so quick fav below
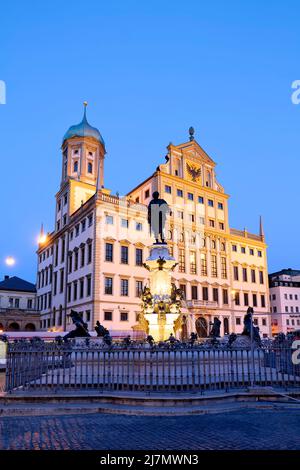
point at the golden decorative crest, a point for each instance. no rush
(194, 172)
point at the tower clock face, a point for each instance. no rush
(193, 172)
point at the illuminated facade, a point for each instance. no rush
(93, 261)
(285, 300)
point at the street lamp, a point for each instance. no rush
(10, 261)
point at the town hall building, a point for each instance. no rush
(92, 261)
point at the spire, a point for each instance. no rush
(261, 228)
(84, 119)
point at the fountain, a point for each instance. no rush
(161, 301)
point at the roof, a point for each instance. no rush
(17, 284)
(288, 272)
(84, 129)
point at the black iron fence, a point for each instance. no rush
(83, 366)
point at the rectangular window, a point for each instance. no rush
(180, 214)
(214, 269)
(61, 286)
(168, 189)
(90, 250)
(237, 298)
(234, 248)
(75, 290)
(63, 248)
(82, 256)
(223, 267)
(211, 223)
(17, 303)
(261, 277)
(194, 292)
(124, 254)
(147, 193)
(109, 220)
(124, 316)
(236, 273)
(182, 287)
(109, 248)
(225, 296)
(124, 223)
(139, 226)
(90, 220)
(259, 253)
(246, 299)
(181, 264)
(253, 276)
(220, 206)
(124, 287)
(77, 230)
(193, 265)
(81, 288)
(29, 303)
(138, 288)
(205, 293)
(243, 249)
(179, 193)
(70, 259)
(200, 200)
(83, 225)
(254, 300)
(245, 275)
(190, 196)
(210, 203)
(69, 292)
(139, 257)
(221, 225)
(88, 286)
(263, 301)
(108, 286)
(76, 260)
(203, 264)
(251, 251)
(108, 316)
(55, 284)
(216, 294)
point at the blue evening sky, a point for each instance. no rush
(149, 70)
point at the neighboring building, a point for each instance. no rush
(18, 305)
(285, 300)
(93, 260)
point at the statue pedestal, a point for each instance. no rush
(161, 304)
(161, 325)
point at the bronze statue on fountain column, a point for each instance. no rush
(157, 215)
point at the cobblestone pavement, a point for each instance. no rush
(243, 429)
